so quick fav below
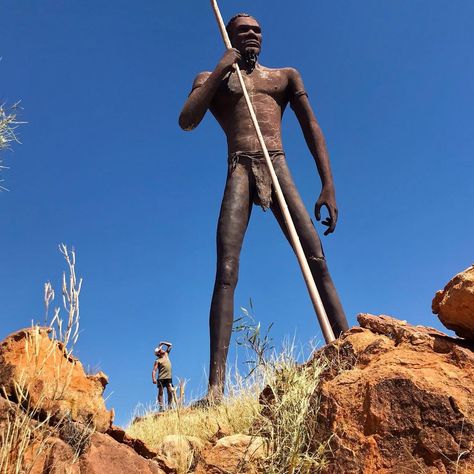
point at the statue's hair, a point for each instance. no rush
(232, 20)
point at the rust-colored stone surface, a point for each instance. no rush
(57, 384)
(53, 382)
(396, 398)
(139, 446)
(232, 454)
(57, 457)
(454, 305)
(106, 455)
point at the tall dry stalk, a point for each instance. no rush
(71, 289)
(8, 136)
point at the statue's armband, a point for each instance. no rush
(299, 94)
(296, 95)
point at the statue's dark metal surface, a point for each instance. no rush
(248, 180)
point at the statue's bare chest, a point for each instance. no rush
(271, 83)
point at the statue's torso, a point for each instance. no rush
(268, 91)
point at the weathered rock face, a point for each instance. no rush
(396, 398)
(393, 399)
(455, 304)
(180, 453)
(107, 455)
(51, 381)
(141, 448)
(233, 454)
(51, 403)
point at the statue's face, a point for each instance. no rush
(246, 35)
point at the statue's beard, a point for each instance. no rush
(250, 60)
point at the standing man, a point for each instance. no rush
(165, 378)
(248, 179)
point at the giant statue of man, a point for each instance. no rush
(248, 179)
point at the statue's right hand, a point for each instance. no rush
(231, 56)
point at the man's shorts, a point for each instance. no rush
(163, 383)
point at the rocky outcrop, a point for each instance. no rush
(392, 399)
(50, 380)
(180, 453)
(107, 455)
(233, 454)
(140, 447)
(53, 414)
(454, 305)
(396, 398)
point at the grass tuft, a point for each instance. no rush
(8, 125)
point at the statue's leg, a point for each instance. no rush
(311, 245)
(233, 219)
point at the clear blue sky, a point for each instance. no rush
(104, 167)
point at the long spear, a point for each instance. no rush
(295, 240)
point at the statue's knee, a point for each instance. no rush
(319, 262)
(228, 271)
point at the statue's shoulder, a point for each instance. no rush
(204, 74)
(202, 77)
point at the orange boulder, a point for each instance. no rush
(396, 398)
(454, 305)
(35, 368)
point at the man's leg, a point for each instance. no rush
(160, 396)
(311, 246)
(169, 389)
(233, 219)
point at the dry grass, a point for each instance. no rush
(27, 429)
(8, 126)
(234, 415)
(282, 424)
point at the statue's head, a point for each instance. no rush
(245, 35)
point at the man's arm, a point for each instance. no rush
(204, 88)
(168, 344)
(153, 374)
(317, 146)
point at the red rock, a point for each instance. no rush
(52, 381)
(396, 398)
(139, 446)
(106, 455)
(231, 454)
(60, 458)
(454, 305)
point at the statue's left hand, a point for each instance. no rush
(327, 198)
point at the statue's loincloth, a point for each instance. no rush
(254, 162)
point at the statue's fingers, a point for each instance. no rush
(335, 216)
(332, 226)
(317, 211)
